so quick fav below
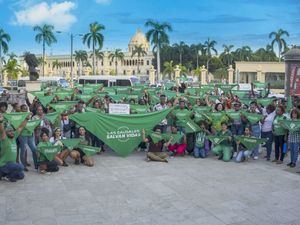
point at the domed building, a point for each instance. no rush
(106, 66)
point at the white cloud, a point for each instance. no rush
(103, 2)
(56, 14)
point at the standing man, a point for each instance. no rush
(159, 107)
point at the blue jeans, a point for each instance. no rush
(200, 152)
(269, 142)
(256, 133)
(12, 171)
(29, 140)
(294, 147)
(242, 154)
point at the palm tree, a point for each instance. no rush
(12, 69)
(46, 36)
(98, 55)
(81, 56)
(4, 40)
(94, 38)
(57, 65)
(41, 61)
(140, 52)
(227, 54)
(169, 69)
(115, 56)
(11, 56)
(180, 47)
(209, 47)
(243, 54)
(158, 37)
(279, 40)
(199, 50)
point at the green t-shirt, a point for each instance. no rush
(227, 133)
(8, 152)
(277, 127)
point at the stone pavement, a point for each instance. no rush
(130, 191)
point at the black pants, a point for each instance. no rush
(279, 141)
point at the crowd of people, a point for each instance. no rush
(210, 120)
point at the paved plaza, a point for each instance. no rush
(130, 191)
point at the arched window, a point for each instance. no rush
(136, 62)
(147, 62)
(142, 62)
(124, 72)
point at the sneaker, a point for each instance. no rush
(234, 154)
(289, 164)
(147, 159)
(274, 160)
(65, 164)
(255, 157)
(45, 172)
(25, 169)
(293, 165)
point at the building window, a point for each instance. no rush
(133, 72)
(124, 72)
(102, 63)
(110, 63)
(147, 72)
(142, 62)
(147, 62)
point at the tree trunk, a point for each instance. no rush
(43, 58)
(180, 58)
(279, 51)
(116, 64)
(1, 74)
(94, 57)
(158, 63)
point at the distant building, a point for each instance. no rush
(105, 66)
(266, 72)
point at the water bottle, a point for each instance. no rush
(284, 148)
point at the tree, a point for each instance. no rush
(12, 69)
(94, 38)
(158, 36)
(209, 47)
(57, 65)
(180, 47)
(278, 39)
(169, 69)
(226, 55)
(243, 54)
(140, 52)
(11, 56)
(46, 36)
(81, 56)
(199, 50)
(115, 56)
(4, 40)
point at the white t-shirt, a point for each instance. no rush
(268, 122)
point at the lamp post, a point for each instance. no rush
(72, 40)
(198, 54)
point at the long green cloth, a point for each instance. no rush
(174, 138)
(291, 125)
(15, 119)
(71, 142)
(122, 133)
(89, 150)
(250, 142)
(52, 117)
(253, 117)
(45, 100)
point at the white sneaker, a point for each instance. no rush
(255, 157)
(234, 154)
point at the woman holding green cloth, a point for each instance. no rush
(224, 149)
(243, 153)
(64, 153)
(78, 154)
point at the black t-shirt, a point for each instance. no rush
(158, 147)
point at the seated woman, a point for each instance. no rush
(243, 154)
(156, 144)
(77, 153)
(177, 142)
(46, 164)
(224, 149)
(201, 142)
(64, 153)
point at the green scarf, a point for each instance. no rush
(250, 142)
(191, 127)
(217, 139)
(259, 85)
(15, 119)
(156, 137)
(139, 108)
(63, 106)
(226, 87)
(45, 100)
(71, 143)
(253, 118)
(89, 150)
(63, 95)
(233, 114)
(265, 101)
(37, 93)
(291, 125)
(240, 94)
(176, 138)
(122, 133)
(31, 125)
(52, 117)
(49, 151)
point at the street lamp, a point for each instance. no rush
(199, 53)
(72, 40)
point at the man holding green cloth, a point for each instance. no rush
(9, 169)
(224, 149)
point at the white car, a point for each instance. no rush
(3, 90)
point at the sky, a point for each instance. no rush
(237, 22)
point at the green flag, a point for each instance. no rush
(88, 90)
(63, 95)
(259, 85)
(37, 93)
(174, 138)
(31, 125)
(240, 94)
(139, 108)
(226, 87)
(45, 100)
(90, 109)
(199, 117)
(52, 117)
(192, 99)
(246, 101)
(201, 109)
(169, 94)
(265, 101)
(85, 97)
(291, 125)
(118, 98)
(63, 106)
(191, 127)
(217, 139)
(156, 137)
(233, 114)
(15, 119)
(122, 133)
(49, 151)
(71, 143)
(89, 150)
(250, 142)
(253, 118)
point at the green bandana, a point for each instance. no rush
(38, 93)
(88, 90)
(253, 117)
(63, 106)
(52, 117)
(49, 151)
(45, 100)
(240, 94)
(191, 127)
(265, 101)
(71, 143)
(31, 125)
(15, 119)
(85, 97)
(139, 108)
(176, 138)
(250, 142)
(192, 99)
(201, 109)
(63, 95)
(246, 101)
(156, 137)
(89, 150)
(291, 125)
(259, 85)
(89, 109)
(226, 87)
(233, 114)
(122, 133)
(217, 139)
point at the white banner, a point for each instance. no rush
(119, 109)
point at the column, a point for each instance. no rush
(203, 75)
(152, 75)
(230, 74)
(129, 72)
(177, 71)
(5, 79)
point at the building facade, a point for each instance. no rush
(105, 66)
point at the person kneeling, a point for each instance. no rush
(156, 144)
(243, 154)
(201, 142)
(47, 155)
